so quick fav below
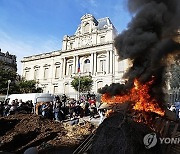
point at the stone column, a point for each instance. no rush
(74, 64)
(92, 63)
(62, 64)
(111, 62)
(64, 67)
(108, 62)
(95, 63)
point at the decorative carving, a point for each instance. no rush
(70, 61)
(57, 63)
(36, 66)
(86, 16)
(101, 56)
(27, 68)
(87, 40)
(46, 65)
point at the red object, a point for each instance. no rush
(92, 101)
(79, 66)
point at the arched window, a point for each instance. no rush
(87, 61)
(86, 66)
(86, 28)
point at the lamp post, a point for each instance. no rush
(79, 87)
(9, 81)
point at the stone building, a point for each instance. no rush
(91, 46)
(8, 61)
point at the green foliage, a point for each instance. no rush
(28, 86)
(5, 75)
(17, 85)
(86, 83)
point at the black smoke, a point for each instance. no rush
(147, 42)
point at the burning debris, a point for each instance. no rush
(139, 95)
(147, 42)
(140, 100)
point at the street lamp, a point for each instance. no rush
(79, 86)
(9, 81)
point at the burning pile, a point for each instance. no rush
(140, 95)
(140, 100)
(147, 42)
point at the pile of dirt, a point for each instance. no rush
(20, 131)
(119, 134)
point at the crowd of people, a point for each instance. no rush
(16, 106)
(175, 108)
(62, 108)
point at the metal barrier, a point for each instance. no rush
(86, 145)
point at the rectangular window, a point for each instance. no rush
(57, 72)
(70, 70)
(71, 45)
(102, 65)
(36, 74)
(55, 89)
(45, 73)
(26, 75)
(102, 39)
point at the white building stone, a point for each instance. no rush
(92, 45)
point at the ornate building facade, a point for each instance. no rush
(91, 46)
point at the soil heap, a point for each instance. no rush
(21, 131)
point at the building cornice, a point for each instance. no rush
(42, 56)
(59, 52)
(97, 32)
(89, 46)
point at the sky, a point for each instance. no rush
(29, 27)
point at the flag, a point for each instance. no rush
(79, 66)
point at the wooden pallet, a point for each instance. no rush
(168, 127)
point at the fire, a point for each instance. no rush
(140, 96)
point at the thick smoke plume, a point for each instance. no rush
(147, 42)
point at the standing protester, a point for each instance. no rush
(49, 110)
(86, 110)
(71, 109)
(6, 108)
(57, 115)
(64, 99)
(31, 107)
(177, 105)
(92, 109)
(88, 95)
(14, 106)
(44, 108)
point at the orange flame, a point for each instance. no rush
(139, 94)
